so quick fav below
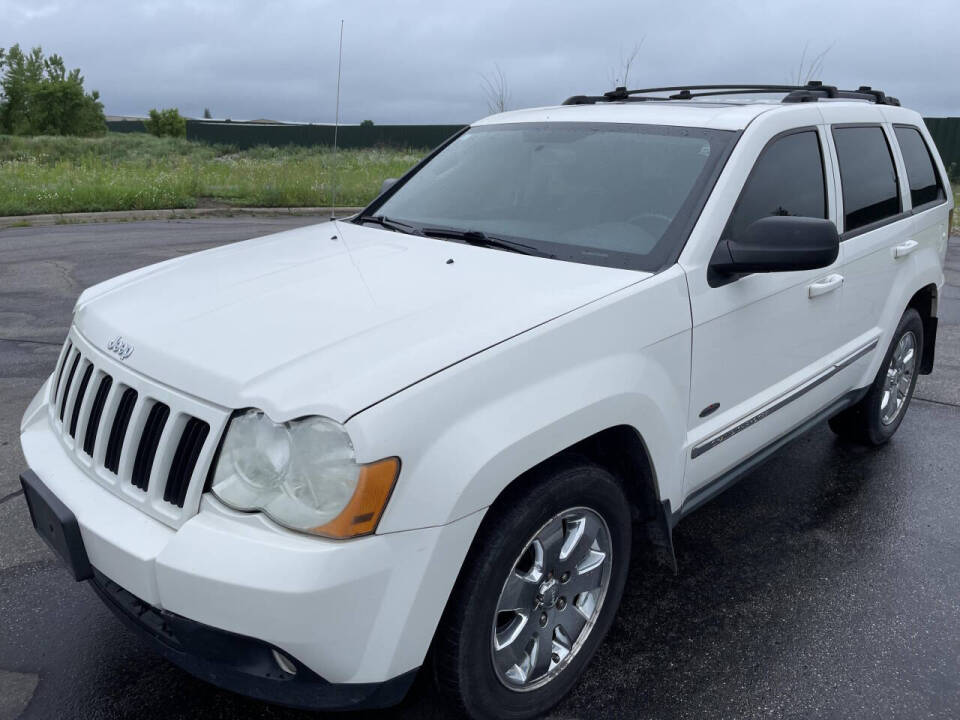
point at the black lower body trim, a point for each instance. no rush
(715, 487)
(242, 664)
(929, 344)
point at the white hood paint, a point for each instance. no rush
(299, 323)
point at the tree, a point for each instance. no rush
(206, 114)
(808, 70)
(366, 123)
(620, 76)
(166, 123)
(39, 97)
(496, 90)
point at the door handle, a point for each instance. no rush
(825, 285)
(905, 249)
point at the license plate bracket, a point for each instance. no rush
(57, 525)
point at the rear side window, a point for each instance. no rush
(868, 176)
(787, 180)
(922, 176)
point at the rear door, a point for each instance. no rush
(926, 192)
(874, 223)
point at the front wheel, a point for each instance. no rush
(537, 593)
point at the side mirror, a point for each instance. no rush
(387, 184)
(778, 243)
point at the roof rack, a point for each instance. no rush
(811, 92)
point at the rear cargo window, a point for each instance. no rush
(922, 176)
(868, 176)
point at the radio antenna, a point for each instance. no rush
(336, 127)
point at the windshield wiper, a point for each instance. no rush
(390, 224)
(471, 237)
(481, 239)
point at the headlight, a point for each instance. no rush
(303, 474)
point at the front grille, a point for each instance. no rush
(118, 431)
(96, 412)
(143, 441)
(66, 354)
(66, 389)
(185, 461)
(149, 440)
(81, 393)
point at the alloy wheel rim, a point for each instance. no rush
(551, 599)
(899, 378)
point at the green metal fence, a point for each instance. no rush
(245, 135)
(946, 134)
(126, 126)
(945, 131)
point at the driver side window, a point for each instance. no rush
(788, 179)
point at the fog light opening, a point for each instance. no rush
(285, 663)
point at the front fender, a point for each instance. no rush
(464, 434)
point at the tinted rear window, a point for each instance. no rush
(787, 180)
(922, 177)
(868, 176)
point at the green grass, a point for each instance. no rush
(955, 224)
(137, 171)
(140, 172)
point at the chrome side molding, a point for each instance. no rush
(783, 400)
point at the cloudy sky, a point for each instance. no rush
(424, 60)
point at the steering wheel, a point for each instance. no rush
(659, 224)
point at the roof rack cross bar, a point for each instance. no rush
(813, 91)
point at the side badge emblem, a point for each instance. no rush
(709, 409)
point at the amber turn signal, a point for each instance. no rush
(362, 513)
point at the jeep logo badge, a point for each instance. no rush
(120, 347)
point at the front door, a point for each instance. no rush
(765, 344)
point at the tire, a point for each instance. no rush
(874, 420)
(568, 502)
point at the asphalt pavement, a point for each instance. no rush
(824, 585)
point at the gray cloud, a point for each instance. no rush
(422, 60)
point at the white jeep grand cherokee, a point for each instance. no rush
(304, 464)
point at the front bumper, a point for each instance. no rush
(242, 664)
(359, 612)
(234, 662)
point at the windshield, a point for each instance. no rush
(605, 194)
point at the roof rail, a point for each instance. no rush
(811, 92)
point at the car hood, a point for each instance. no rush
(329, 318)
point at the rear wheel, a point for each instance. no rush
(537, 593)
(876, 417)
